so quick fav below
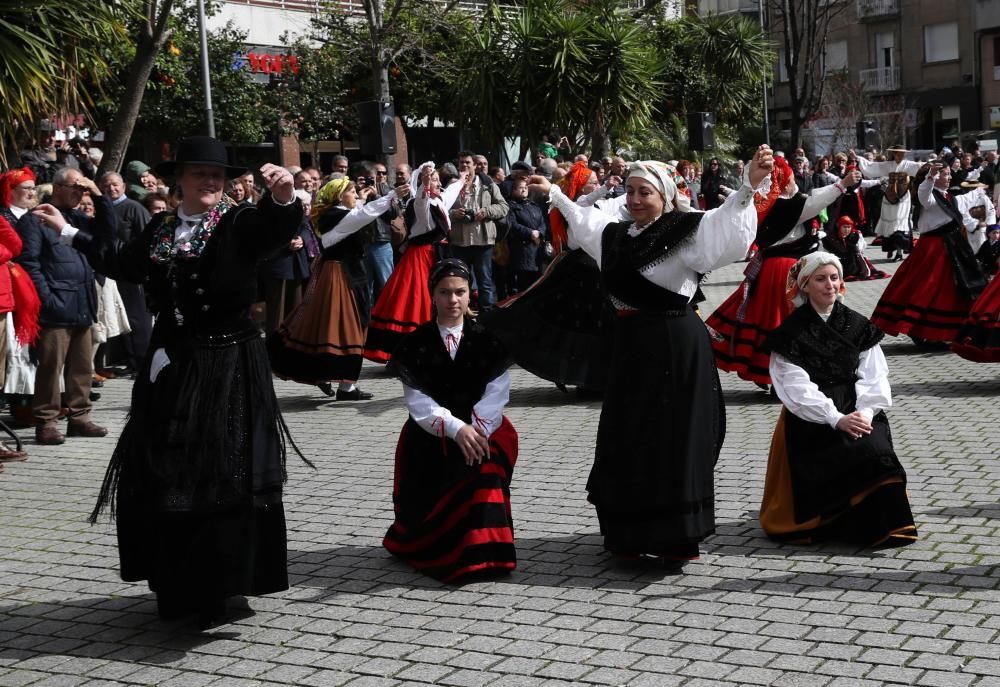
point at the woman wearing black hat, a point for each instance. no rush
(456, 453)
(195, 480)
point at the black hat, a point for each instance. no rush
(520, 166)
(449, 267)
(199, 150)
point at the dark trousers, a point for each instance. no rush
(480, 259)
(65, 353)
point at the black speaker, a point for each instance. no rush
(701, 131)
(377, 135)
(867, 134)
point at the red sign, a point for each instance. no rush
(272, 64)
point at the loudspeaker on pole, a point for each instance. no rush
(701, 130)
(377, 134)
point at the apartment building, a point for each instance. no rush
(935, 64)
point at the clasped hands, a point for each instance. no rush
(474, 444)
(855, 425)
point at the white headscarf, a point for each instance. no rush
(800, 272)
(665, 179)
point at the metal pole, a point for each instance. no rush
(767, 123)
(205, 77)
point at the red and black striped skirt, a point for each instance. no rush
(740, 348)
(923, 300)
(979, 338)
(453, 520)
(403, 305)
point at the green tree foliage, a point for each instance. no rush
(38, 39)
(414, 48)
(314, 104)
(588, 69)
(174, 103)
(716, 64)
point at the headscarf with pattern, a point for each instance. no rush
(328, 196)
(800, 272)
(665, 179)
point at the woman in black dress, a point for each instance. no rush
(196, 478)
(832, 472)
(663, 419)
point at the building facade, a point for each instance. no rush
(923, 70)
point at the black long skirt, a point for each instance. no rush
(660, 433)
(197, 474)
(560, 328)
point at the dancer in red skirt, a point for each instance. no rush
(456, 453)
(932, 292)
(758, 305)
(979, 338)
(404, 303)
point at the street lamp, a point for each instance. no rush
(205, 77)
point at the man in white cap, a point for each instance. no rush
(895, 221)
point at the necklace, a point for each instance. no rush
(164, 250)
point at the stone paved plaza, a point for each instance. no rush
(749, 612)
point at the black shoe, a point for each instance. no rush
(95, 384)
(326, 388)
(899, 257)
(355, 394)
(94, 396)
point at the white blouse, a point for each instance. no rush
(423, 203)
(933, 216)
(360, 216)
(803, 398)
(487, 414)
(818, 199)
(874, 170)
(723, 237)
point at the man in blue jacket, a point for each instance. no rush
(65, 284)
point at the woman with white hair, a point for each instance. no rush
(832, 472)
(663, 419)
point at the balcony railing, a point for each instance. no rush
(880, 79)
(875, 9)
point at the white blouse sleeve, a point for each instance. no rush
(819, 199)
(872, 388)
(450, 194)
(874, 170)
(431, 417)
(597, 194)
(488, 412)
(925, 192)
(585, 225)
(799, 394)
(724, 235)
(360, 216)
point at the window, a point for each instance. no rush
(885, 49)
(941, 42)
(835, 57)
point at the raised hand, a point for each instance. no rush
(279, 181)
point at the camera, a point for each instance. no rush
(364, 181)
(470, 215)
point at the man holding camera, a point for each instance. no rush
(473, 226)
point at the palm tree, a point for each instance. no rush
(587, 69)
(52, 59)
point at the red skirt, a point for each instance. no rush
(979, 338)
(740, 348)
(452, 519)
(403, 305)
(922, 300)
